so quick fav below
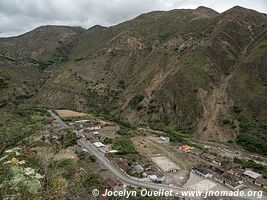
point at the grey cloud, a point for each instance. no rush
(18, 16)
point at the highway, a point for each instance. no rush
(123, 177)
(63, 124)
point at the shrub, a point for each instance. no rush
(92, 180)
(253, 144)
(124, 146)
(134, 102)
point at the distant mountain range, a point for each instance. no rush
(198, 71)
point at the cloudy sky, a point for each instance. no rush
(19, 16)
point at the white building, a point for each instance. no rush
(94, 128)
(82, 121)
(164, 139)
(99, 144)
(252, 175)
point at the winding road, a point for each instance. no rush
(123, 177)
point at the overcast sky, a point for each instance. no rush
(19, 16)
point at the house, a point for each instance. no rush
(144, 175)
(196, 152)
(99, 144)
(112, 184)
(82, 121)
(202, 171)
(219, 160)
(208, 157)
(251, 175)
(109, 184)
(96, 133)
(261, 182)
(88, 136)
(122, 164)
(113, 151)
(231, 181)
(156, 179)
(94, 128)
(185, 148)
(164, 139)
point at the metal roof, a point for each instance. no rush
(252, 174)
(99, 144)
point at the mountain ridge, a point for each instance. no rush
(170, 70)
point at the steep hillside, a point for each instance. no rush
(46, 43)
(193, 70)
(25, 61)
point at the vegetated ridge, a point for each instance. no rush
(198, 71)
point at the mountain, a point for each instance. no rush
(198, 71)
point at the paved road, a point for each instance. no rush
(63, 124)
(124, 177)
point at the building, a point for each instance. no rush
(196, 152)
(164, 139)
(113, 151)
(202, 171)
(99, 144)
(82, 121)
(185, 148)
(219, 160)
(109, 184)
(251, 175)
(208, 157)
(94, 128)
(88, 136)
(156, 179)
(96, 133)
(112, 184)
(261, 182)
(122, 164)
(230, 181)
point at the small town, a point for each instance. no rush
(198, 167)
(133, 100)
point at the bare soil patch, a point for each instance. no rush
(70, 113)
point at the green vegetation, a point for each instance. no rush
(30, 113)
(121, 84)
(252, 144)
(134, 102)
(69, 139)
(17, 180)
(4, 79)
(178, 136)
(124, 146)
(13, 134)
(161, 125)
(3, 83)
(125, 127)
(193, 70)
(252, 165)
(253, 131)
(92, 180)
